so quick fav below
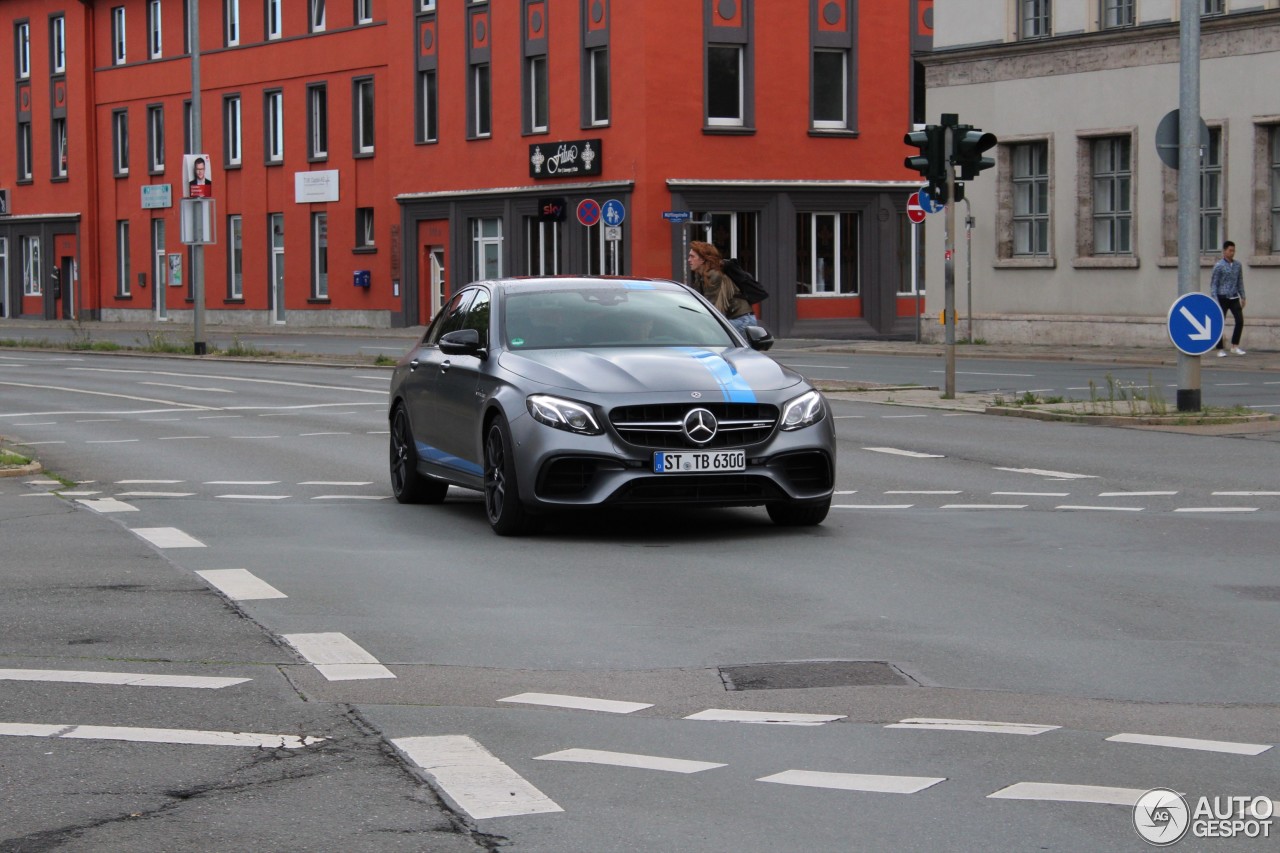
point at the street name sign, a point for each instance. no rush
(677, 215)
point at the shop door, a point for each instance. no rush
(159, 270)
(277, 268)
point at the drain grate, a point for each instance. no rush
(801, 674)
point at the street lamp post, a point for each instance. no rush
(197, 250)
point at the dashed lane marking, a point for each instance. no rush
(240, 483)
(909, 453)
(983, 726)
(627, 759)
(921, 492)
(1193, 743)
(241, 584)
(854, 781)
(1134, 494)
(148, 482)
(139, 735)
(1032, 494)
(872, 506)
(152, 494)
(983, 506)
(473, 778)
(1040, 472)
(721, 715)
(1070, 793)
(1246, 494)
(125, 679)
(581, 703)
(254, 497)
(336, 483)
(337, 657)
(351, 498)
(1081, 507)
(1216, 509)
(168, 537)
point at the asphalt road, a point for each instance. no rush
(1098, 589)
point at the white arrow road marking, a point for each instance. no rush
(626, 759)
(583, 703)
(1070, 793)
(1192, 743)
(126, 679)
(184, 736)
(721, 715)
(473, 778)
(854, 781)
(337, 657)
(241, 584)
(1202, 331)
(984, 726)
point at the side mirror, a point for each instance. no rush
(463, 342)
(759, 338)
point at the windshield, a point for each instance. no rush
(609, 317)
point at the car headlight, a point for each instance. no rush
(563, 414)
(802, 411)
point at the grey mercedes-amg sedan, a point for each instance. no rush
(547, 394)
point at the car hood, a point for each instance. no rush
(735, 373)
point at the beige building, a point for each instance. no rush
(1075, 237)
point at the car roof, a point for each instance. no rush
(579, 282)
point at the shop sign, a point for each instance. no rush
(573, 159)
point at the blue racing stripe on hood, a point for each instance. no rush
(732, 384)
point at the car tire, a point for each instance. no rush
(409, 486)
(507, 515)
(797, 514)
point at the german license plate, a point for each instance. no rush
(699, 461)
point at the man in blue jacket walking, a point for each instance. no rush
(1227, 286)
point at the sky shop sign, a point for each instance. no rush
(573, 159)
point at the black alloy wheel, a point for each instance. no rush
(408, 486)
(507, 516)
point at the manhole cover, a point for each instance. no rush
(1258, 593)
(829, 673)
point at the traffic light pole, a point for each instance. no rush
(949, 270)
(199, 346)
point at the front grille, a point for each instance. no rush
(719, 489)
(660, 426)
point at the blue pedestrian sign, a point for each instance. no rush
(928, 203)
(613, 212)
(1195, 323)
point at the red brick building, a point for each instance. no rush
(365, 156)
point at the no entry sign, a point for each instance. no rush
(914, 211)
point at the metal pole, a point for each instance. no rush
(197, 251)
(968, 259)
(915, 273)
(1189, 189)
(949, 268)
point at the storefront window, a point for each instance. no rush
(827, 254)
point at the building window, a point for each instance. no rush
(481, 110)
(22, 45)
(428, 107)
(155, 138)
(830, 89)
(317, 121)
(1273, 138)
(426, 5)
(1211, 191)
(29, 247)
(319, 256)
(541, 247)
(362, 107)
(231, 22)
(598, 88)
(58, 44)
(364, 11)
(155, 42)
(1035, 19)
(827, 260)
(724, 85)
(486, 245)
(273, 19)
(120, 141)
(275, 285)
(1213, 7)
(122, 258)
(274, 108)
(1117, 13)
(734, 233)
(24, 151)
(1112, 196)
(235, 257)
(364, 228)
(59, 148)
(1030, 163)
(118, 52)
(231, 128)
(536, 70)
(317, 16)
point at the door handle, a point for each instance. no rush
(413, 365)
(444, 367)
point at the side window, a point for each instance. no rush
(478, 315)
(451, 318)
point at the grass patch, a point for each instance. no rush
(384, 361)
(239, 349)
(9, 459)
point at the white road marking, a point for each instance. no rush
(871, 506)
(337, 657)
(310, 434)
(1193, 743)
(854, 781)
(336, 483)
(255, 436)
(351, 497)
(147, 482)
(140, 735)
(112, 441)
(846, 491)
(158, 420)
(627, 759)
(43, 482)
(922, 492)
(721, 715)
(1216, 509)
(82, 493)
(240, 584)
(474, 778)
(180, 437)
(240, 483)
(1033, 494)
(168, 537)
(983, 506)
(106, 505)
(153, 494)
(1247, 494)
(91, 421)
(189, 387)
(253, 497)
(220, 377)
(35, 423)
(582, 703)
(1133, 494)
(171, 403)
(126, 679)
(1040, 472)
(1081, 507)
(849, 417)
(36, 443)
(893, 417)
(379, 378)
(913, 454)
(215, 417)
(1070, 793)
(975, 373)
(984, 726)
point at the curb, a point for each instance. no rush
(22, 471)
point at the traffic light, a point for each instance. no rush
(968, 144)
(931, 162)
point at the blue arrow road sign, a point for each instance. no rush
(927, 202)
(613, 212)
(1195, 323)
